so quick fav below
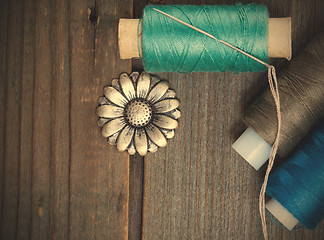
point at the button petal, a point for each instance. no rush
(112, 127)
(127, 86)
(103, 100)
(170, 94)
(109, 111)
(113, 138)
(131, 150)
(156, 135)
(115, 96)
(164, 121)
(102, 121)
(166, 105)
(141, 142)
(158, 91)
(168, 133)
(143, 85)
(125, 138)
(152, 146)
(175, 114)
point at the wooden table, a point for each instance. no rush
(59, 179)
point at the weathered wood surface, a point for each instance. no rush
(198, 187)
(59, 179)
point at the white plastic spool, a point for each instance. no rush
(281, 214)
(253, 148)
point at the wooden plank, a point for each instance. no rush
(61, 143)
(306, 20)
(3, 89)
(59, 179)
(136, 175)
(108, 65)
(136, 165)
(12, 125)
(198, 187)
(98, 173)
(42, 122)
(26, 132)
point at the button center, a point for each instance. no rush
(138, 113)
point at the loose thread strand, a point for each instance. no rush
(273, 83)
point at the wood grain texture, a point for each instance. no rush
(4, 8)
(42, 122)
(136, 165)
(98, 173)
(136, 175)
(26, 124)
(198, 187)
(59, 178)
(61, 117)
(12, 122)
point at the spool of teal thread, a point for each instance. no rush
(298, 184)
(169, 46)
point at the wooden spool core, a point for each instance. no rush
(279, 39)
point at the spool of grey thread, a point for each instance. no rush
(301, 91)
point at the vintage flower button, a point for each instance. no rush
(138, 113)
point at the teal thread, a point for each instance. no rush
(169, 46)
